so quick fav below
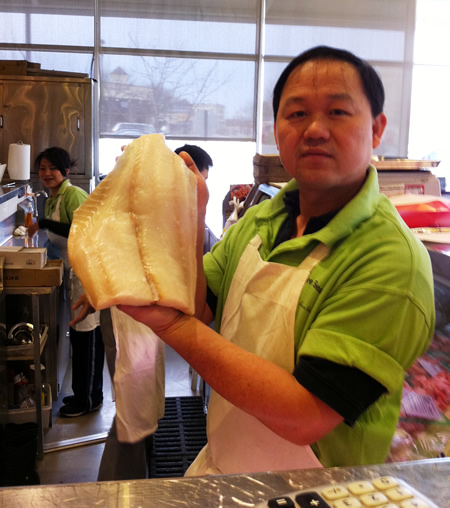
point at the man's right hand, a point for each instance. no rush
(86, 309)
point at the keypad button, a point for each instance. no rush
(358, 488)
(385, 482)
(398, 494)
(311, 500)
(281, 502)
(374, 499)
(347, 502)
(336, 492)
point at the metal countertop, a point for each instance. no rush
(430, 477)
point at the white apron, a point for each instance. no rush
(139, 378)
(259, 316)
(74, 289)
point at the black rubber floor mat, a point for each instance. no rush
(180, 436)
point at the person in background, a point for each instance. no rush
(201, 158)
(53, 166)
(322, 296)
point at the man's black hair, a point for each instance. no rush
(59, 157)
(372, 84)
(199, 156)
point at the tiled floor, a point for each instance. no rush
(74, 446)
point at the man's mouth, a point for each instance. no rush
(315, 153)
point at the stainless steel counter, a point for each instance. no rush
(430, 477)
(11, 190)
(39, 240)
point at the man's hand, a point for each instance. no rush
(86, 309)
(160, 319)
(202, 188)
(122, 148)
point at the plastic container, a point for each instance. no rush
(29, 414)
(27, 206)
(432, 214)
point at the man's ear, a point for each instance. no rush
(378, 126)
(275, 134)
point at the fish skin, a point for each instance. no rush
(133, 241)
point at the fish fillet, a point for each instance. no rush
(133, 241)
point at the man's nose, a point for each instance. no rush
(317, 128)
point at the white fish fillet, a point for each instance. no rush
(133, 241)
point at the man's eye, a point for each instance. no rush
(298, 114)
(338, 112)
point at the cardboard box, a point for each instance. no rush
(16, 67)
(24, 257)
(268, 168)
(408, 182)
(50, 275)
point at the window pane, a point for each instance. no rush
(373, 30)
(55, 27)
(387, 14)
(13, 27)
(272, 72)
(366, 43)
(432, 37)
(392, 77)
(178, 97)
(66, 62)
(212, 25)
(430, 111)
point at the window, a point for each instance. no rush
(430, 104)
(181, 97)
(190, 70)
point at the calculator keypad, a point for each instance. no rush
(383, 492)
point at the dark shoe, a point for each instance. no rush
(69, 399)
(72, 411)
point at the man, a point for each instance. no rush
(322, 295)
(201, 158)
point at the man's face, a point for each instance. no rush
(324, 128)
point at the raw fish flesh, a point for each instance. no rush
(133, 241)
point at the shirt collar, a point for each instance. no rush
(361, 207)
(292, 204)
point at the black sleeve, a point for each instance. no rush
(55, 227)
(347, 390)
(211, 300)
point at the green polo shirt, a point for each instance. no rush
(368, 305)
(73, 197)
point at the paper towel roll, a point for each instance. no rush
(19, 161)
